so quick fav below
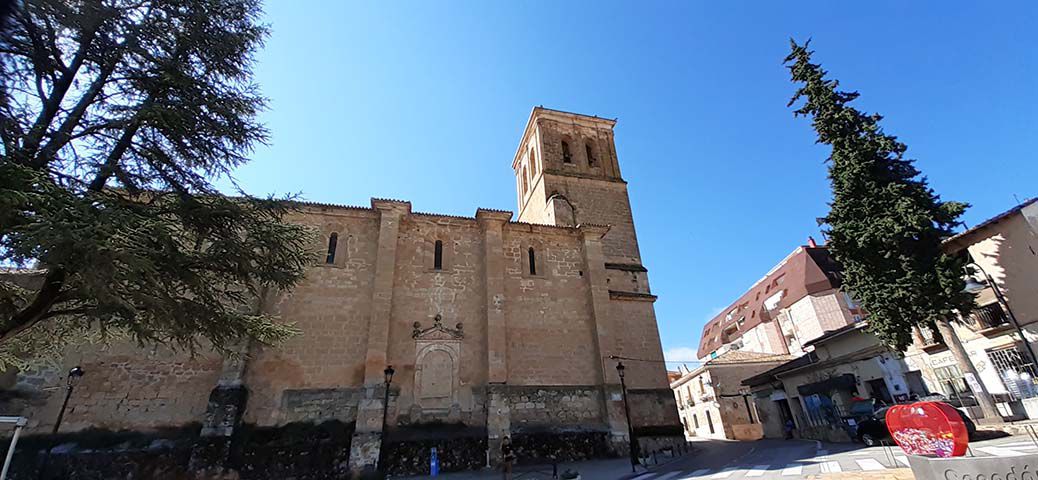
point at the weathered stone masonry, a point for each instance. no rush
(506, 331)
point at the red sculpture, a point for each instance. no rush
(928, 428)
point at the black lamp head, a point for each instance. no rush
(74, 374)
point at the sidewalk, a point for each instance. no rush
(892, 474)
(605, 469)
(608, 469)
(1019, 427)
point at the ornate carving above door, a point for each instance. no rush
(437, 365)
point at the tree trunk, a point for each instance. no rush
(987, 405)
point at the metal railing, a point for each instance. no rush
(1018, 375)
(988, 316)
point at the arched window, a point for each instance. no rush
(333, 241)
(590, 155)
(438, 255)
(533, 161)
(533, 261)
(567, 157)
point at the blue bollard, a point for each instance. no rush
(434, 463)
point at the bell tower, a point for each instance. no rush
(567, 174)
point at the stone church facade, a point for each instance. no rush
(494, 324)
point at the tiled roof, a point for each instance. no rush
(950, 241)
(743, 356)
(734, 357)
(765, 377)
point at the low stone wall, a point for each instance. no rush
(539, 447)
(308, 451)
(301, 451)
(298, 451)
(102, 455)
(650, 444)
(458, 448)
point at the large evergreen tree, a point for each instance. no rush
(886, 223)
(115, 118)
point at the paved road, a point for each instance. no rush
(788, 459)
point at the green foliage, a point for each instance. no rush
(115, 118)
(886, 224)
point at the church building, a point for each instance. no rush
(493, 325)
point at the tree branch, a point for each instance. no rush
(55, 52)
(37, 310)
(64, 133)
(52, 104)
(111, 163)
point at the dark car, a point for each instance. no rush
(874, 429)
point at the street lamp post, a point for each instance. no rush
(385, 415)
(972, 286)
(627, 411)
(74, 374)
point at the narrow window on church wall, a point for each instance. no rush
(533, 161)
(567, 157)
(333, 241)
(590, 155)
(438, 255)
(533, 261)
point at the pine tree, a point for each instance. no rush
(886, 223)
(115, 118)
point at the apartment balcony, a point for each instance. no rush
(989, 320)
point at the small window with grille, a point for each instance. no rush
(1016, 372)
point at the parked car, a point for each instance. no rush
(874, 430)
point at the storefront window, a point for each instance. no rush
(953, 385)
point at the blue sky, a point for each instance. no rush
(425, 101)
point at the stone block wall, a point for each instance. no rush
(124, 388)
(320, 404)
(653, 408)
(555, 407)
(331, 307)
(456, 293)
(601, 203)
(636, 336)
(549, 330)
